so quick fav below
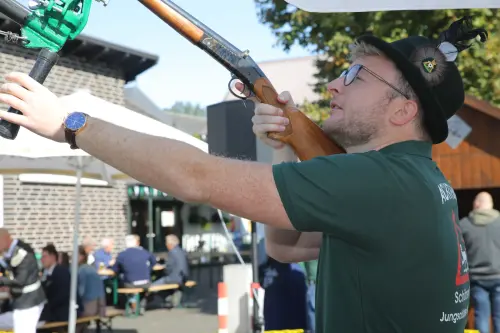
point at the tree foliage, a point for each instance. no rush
(187, 108)
(329, 36)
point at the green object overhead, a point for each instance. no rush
(52, 22)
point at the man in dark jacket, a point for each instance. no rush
(56, 283)
(481, 232)
(134, 264)
(23, 280)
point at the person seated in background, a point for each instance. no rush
(134, 264)
(89, 245)
(56, 281)
(176, 271)
(177, 267)
(90, 287)
(104, 256)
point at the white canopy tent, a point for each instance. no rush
(333, 6)
(31, 153)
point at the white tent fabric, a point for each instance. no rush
(333, 6)
(33, 153)
(30, 152)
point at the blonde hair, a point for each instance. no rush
(360, 49)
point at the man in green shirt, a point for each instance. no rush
(381, 218)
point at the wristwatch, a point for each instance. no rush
(73, 124)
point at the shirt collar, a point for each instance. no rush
(412, 147)
(49, 271)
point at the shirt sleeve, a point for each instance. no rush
(325, 194)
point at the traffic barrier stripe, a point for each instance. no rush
(222, 307)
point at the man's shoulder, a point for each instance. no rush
(61, 269)
(25, 246)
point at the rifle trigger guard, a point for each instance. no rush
(246, 92)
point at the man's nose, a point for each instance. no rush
(335, 86)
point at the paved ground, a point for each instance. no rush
(201, 317)
(177, 320)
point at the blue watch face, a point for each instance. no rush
(75, 121)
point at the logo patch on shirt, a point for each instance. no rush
(462, 276)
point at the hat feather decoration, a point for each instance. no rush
(433, 59)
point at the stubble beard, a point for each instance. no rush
(357, 131)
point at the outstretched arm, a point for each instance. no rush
(186, 172)
(239, 187)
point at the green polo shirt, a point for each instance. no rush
(392, 258)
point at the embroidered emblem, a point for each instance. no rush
(429, 64)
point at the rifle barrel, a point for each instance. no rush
(184, 23)
(14, 11)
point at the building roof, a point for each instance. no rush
(131, 62)
(482, 106)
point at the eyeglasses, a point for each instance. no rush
(352, 73)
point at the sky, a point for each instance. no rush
(184, 72)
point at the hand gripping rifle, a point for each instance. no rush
(46, 25)
(305, 137)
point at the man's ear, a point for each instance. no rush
(405, 113)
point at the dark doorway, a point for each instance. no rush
(139, 220)
(166, 219)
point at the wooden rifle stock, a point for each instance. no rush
(305, 137)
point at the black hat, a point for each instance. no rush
(428, 66)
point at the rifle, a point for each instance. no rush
(46, 25)
(305, 137)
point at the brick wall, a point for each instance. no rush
(45, 213)
(68, 75)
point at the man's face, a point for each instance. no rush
(89, 248)
(47, 259)
(4, 242)
(361, 110)
(109, 247)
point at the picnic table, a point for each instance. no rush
(111, 274)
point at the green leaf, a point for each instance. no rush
(330, 34)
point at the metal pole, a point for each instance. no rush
(73, 306)
(257, 324)
(151, 233)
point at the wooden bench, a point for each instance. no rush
(163, 287)
(188, 290)
(190, 284)
(62, 326)
(153, 289)
(136, 292)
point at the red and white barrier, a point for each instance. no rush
(222, 307)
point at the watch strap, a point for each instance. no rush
(70, 138)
